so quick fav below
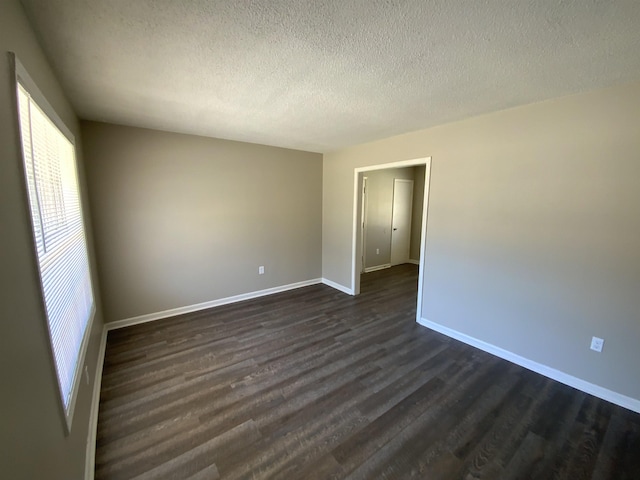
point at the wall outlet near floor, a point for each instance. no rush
(261, 270)
(596, 344)
(377, 251)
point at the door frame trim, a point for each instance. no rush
(356, 255)
(364, 214)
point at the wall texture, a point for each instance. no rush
(32, 439)
(182, 220)
(380, 213)
(533, 229)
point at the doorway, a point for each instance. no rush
(357, 246)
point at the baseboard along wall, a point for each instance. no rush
(562, 377)
(375, 268)
(90, 456)
(337, 286)
(150, 317)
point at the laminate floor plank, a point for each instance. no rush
(315, 384)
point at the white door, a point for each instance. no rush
(401, 221)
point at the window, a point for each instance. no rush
(59, 235)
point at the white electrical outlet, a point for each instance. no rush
(261, 270)
(377, 251)
(597, 344)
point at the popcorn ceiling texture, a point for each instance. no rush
(321, 75)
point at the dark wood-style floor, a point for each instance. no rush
(315, 384)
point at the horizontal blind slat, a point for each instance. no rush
(59, 236)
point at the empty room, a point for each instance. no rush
(319, 239)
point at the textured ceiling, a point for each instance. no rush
(318, 74)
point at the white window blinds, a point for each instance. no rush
(59, 236)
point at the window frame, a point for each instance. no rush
(22, 78)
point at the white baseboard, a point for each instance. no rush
(587, 387)
(337, 286)
(377, 267)
(150, 317)
(90, 456)
(415, 262)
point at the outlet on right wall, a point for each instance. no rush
(533, 230)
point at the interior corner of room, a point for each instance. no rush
(524, 223)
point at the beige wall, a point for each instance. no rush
(182, 220)
(32, 439)
(533, 229)
(380, 213)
